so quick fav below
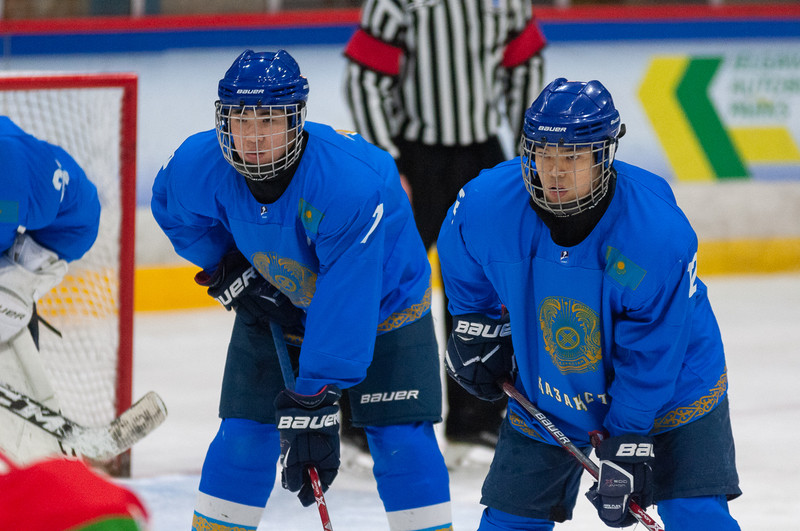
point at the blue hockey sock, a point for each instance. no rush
(496, 520)
(700, 513)
(412, 478)
(238, 474)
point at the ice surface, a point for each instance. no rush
(181, 356)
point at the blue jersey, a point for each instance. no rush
(340, 242)
(46, 192)
(615, 332)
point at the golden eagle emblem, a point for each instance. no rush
(571, 333)
(295, 280)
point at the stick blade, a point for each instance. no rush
(107, 442)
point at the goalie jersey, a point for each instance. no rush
(340, 242)
(615, 332)
(46, 192)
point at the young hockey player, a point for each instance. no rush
(49, 215)
(594, 267)
(294, 222)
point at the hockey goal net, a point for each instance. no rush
(93, 117)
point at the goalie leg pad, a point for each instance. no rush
(27, 272)
(15, 313)
(240, 468)
(21, 369)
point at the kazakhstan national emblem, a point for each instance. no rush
(295, 280)
(571, 333)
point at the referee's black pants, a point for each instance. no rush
(436, 173)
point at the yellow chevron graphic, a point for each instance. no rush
(765, 144)
(657, 94)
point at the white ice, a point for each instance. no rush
(181, 356)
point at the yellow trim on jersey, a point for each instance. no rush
(698, 408)
(398, 319)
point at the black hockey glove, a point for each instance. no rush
(238, 286)
(625, 474)
(479, 353)
(309, 429)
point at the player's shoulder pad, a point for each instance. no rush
(346, 161)
(194, 171)
(651, 234)
(494, 190)
(651, 204)
(197, 162)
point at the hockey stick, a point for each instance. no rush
(564, 442)
(288, 381)
(100, 443)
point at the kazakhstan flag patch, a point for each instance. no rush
(622, 270)
(310, 216)
(9, 212)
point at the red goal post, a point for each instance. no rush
(93, 117)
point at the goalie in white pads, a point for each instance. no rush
(49, 215)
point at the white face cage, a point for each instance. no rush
(567, 178)
(260, 141)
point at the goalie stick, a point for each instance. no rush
(100, 443)
(288, 381)
(564, 442)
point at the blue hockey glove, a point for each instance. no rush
(625, 474)
(309, 430)
(479, 353)
(238, 286)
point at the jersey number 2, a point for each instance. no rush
(692, 270)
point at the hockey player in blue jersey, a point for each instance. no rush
(579, 282)
(294, 222)
(49, 216)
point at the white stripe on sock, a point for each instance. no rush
(228, 511)
(432, 517)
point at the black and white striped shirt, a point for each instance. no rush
(441, 72)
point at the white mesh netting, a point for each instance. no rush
(85, 307)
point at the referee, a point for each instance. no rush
(433, 82)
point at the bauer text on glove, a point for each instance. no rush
(479, 353)
(309, 431)
(238, 286)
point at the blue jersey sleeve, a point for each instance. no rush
(651, 344)
(465, 282)
(343, 317)
(48, 193)
(198, 238)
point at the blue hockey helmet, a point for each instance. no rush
(261, 112)
(263, 78)
(569, 117)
